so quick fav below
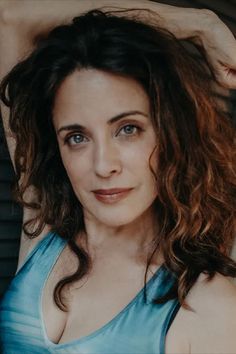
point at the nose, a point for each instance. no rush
(107, 160)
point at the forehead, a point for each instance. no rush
(92, 94)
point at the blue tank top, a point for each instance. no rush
(140, 327)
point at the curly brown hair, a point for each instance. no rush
(196, 156)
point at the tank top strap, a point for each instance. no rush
(159, 284)
(51, 241)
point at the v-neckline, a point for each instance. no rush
(101, 329)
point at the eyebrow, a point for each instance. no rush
(110, 121)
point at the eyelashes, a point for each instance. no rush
(128, 130)
(73, 139)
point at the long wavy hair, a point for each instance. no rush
(196, 144)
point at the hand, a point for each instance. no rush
(32, 18)
(219, 45)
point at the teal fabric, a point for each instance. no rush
(139, 328)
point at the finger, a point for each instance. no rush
(224, 74)
(228, 80)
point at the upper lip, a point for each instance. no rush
(111, 191)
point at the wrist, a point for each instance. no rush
(186, 23)
(200, 24)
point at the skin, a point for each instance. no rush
(108, 155)
(105, 156)
(117, 155)
(214, 302)
(22, 21)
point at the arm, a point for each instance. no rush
(22, 21)
(27, 19)
(210, 327)
(28, 14)
(214, 323)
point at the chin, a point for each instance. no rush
(116, 220)
(119, 218)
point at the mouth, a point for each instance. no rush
(110, 196)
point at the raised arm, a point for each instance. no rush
(22, 21)
(25, 19)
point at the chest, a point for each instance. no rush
(106, 310)
(92, 302)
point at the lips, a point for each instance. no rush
(111, 191)
(110, 196)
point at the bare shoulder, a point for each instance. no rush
(27, 245)
(210, 327)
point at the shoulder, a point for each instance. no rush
(214, 325)
(210, 327)
(27, 245)
(215, 297)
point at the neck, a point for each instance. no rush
(135, 240)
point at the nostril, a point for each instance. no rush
(107, 163)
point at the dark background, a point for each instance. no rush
(11, 214)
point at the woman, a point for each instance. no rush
(126, 161)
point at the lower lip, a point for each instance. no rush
(111, 198)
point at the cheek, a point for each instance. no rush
(76, 168)
(143, 156)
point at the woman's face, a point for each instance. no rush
(105, 138)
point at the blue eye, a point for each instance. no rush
(130, 129)
(75, 139)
